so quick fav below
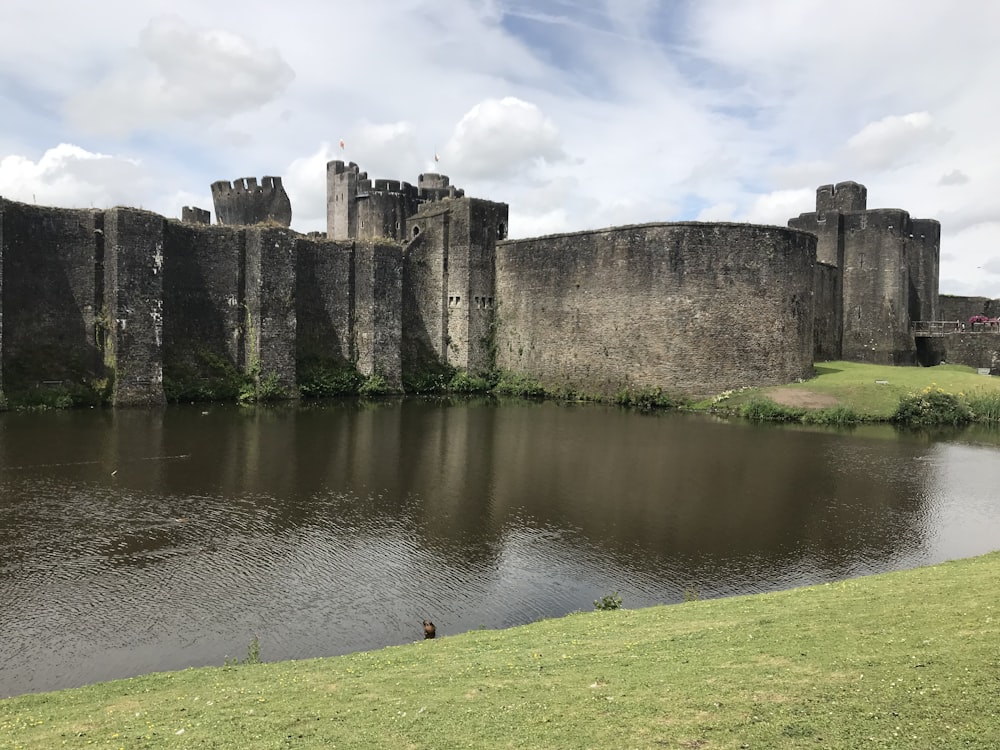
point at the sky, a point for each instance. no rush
(579, 115)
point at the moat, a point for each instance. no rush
(144, 540)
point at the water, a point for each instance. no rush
(138, 541)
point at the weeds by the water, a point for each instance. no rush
(253, 654)
(985, 405)
(764, 410)
(647, 399)
(837, 416)
(608, 602)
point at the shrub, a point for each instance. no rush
(608, 602)
(319, 381)
(374, 385)
(985, 405)
(463, 382)
(838, 416)
(932, 407)
(513, 384)
(765, 410)
(647, 399)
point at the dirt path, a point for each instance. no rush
(802, 399)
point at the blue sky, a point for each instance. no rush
(578, 114)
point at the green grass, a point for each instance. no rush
(873, 392)
(903, 660)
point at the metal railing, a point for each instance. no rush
(946, 327)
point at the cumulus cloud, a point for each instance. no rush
(895, 140)
(70, 176)
(179, 72)
(499, 138)
(305, 183)
(954, 177)
(723, 211)
(778, 207)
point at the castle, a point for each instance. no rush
(415, 279)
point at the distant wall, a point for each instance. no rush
(827, 313)
(51, 294)
(691, 308)
(980, 350)
(955, 307)
(133, 276)
(378, 309)
(324, 298)
(270, 306)
(425, 292)
(203, 313)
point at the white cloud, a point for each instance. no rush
(70, 176)
(954, 177)
(497, 139)
(181, 73)
(305, 183)
(894, 140)
(578, 115)
(717, 212)
(778, 207)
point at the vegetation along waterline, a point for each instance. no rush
(904, 659)
(851, 392)
(841, 393)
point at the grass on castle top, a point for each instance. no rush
(905, 659)
(875, 390)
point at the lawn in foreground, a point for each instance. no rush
(906, 659)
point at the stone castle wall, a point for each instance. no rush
(827, 313)
(955, 307)
(690, 308)
(325, 295)
(203, 314)
(423, 281)
(52, 294)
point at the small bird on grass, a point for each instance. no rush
(429, 630)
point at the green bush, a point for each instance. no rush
(463, 382)
(328, 381)
(985, 405)
(608, 602)
(932, 407)
(514, 384)
(765, 410)
(647, 399)
(838, 416)
(374, 385)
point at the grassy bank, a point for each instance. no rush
(871, 392)
(899, 660)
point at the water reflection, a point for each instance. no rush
(133, 541)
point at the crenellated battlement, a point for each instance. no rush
(195, 215)
(844, 197)
(244, 202)
(358, 206)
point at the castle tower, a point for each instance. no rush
(244, 202)
(887, 274)
(450, 264)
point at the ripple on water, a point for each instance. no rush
(102, 578)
